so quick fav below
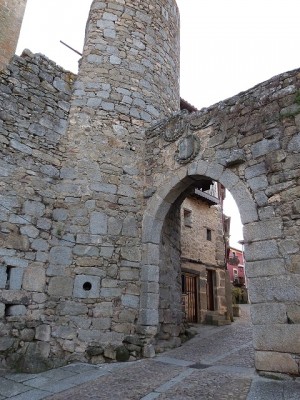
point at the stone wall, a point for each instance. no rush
(85, 196)
(170, 306)
(250, 144)
(194, 242)
(73, 244)
(126, 61)
(11, 17)
(35, 102)
(198, 253)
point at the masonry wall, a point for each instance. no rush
(84, 202)
(34, 98)
(171, 318)
(249, 143)
(11, 17)
(194, 242)
(78, 214)
(198, 253)
(129, 55)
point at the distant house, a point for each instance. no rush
(203, 254)
(204, 246)
(236, 267)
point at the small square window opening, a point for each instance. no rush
(187, 217)
(208, 234)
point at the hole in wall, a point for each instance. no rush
(87, 286)
(8, 275)
(208, 234)
(7, 310)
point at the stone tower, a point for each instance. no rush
(11, 17)
(128, 79)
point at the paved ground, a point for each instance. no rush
(216, 364)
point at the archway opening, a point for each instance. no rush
(162, 313)
(194, 284)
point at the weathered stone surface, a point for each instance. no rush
(15, 278)
(2, 310)
(35, 358)
(110, 352)
(61, 255)
(129, 274)
(74, 174)
(60, 286)
(104, 309)
(14, 297)
(264, 147)
(148, 351)
(294, 266)
(30, 231)
(265, 268)
(247, 207)
(98, 223)
(16, 310)
(101, 323)
(148, 317)
(43, 332)
(86, 286)
(263, 230)
(276, 362)
(6, 343)
(282, 288)
(72, 308)
(150, 273)
(280, 338)
(15, 262)
(289, 246)
(95, 351)
(14, 241)
(130, 301)
(255, 170)
(268, 313)
(27, 335)
(293, 313)
(262, 250)
(34, 278)
(131, 253)
(64, 332)
(34, 208)
(122, 354)
(3, 276)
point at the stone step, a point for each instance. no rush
(217, 320)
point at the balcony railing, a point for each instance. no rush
(211, 195)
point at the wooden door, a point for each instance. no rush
(190, 296)
(210, 286)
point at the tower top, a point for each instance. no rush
(131, 54)
(11, 17)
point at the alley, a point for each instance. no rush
(218, 363)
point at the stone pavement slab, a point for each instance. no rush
(209, 384)
(34, 394)
(133, 382)
(10, 388)
(217, 364)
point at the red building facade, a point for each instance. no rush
(236, 267)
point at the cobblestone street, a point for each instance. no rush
(216, 364)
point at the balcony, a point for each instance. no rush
(211, 195)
